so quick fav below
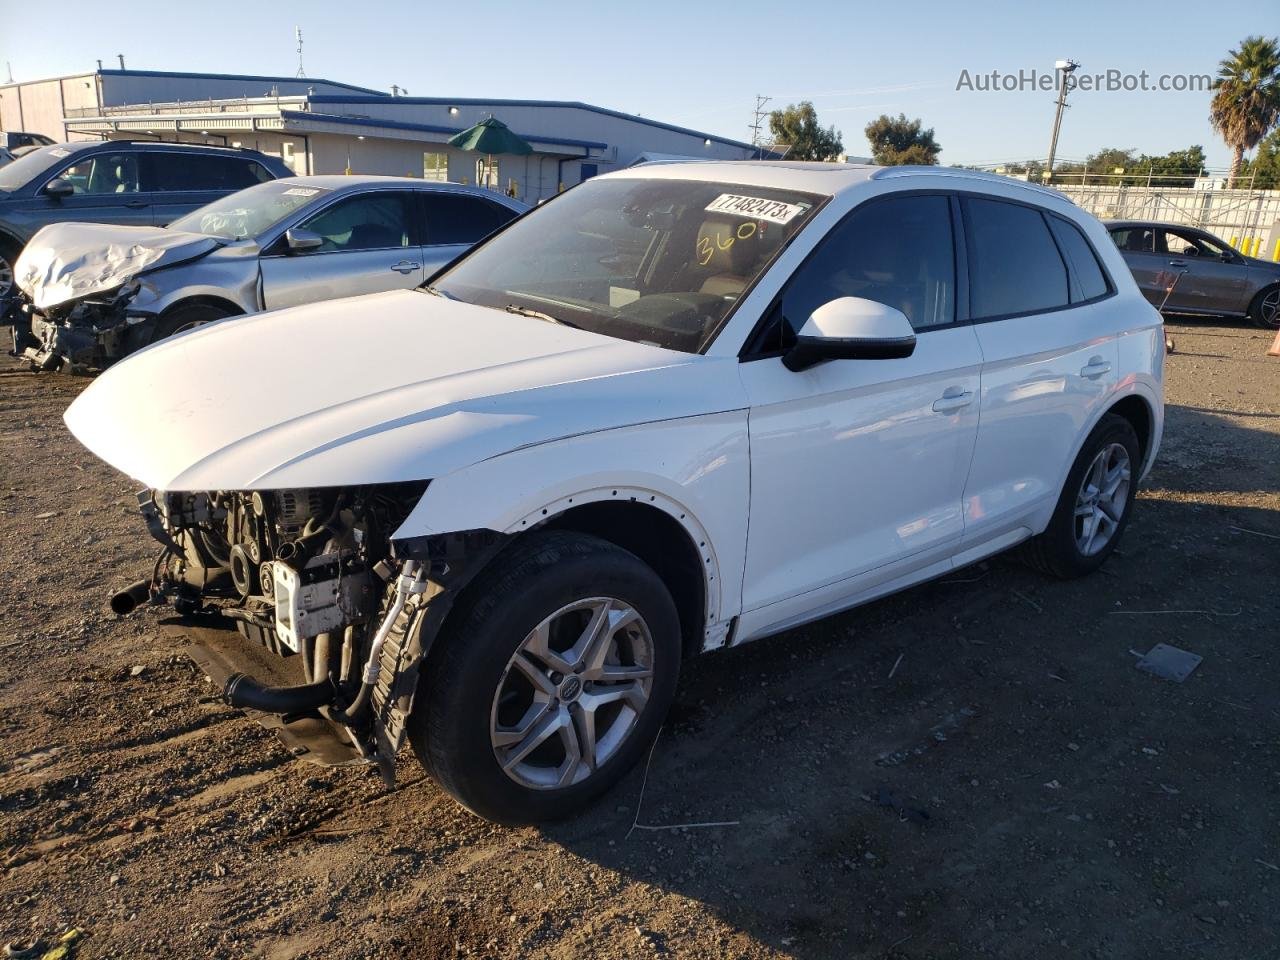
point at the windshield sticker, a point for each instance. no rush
(302, 191)
(756, 208)
(59, 153)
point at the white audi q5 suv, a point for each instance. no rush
(677, 408)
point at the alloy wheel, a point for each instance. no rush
(1102, 500)
(572, 693)
(1269, 308)
(6, 276)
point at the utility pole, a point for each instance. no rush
(1065, 68)
(757, 122)
(297, 32)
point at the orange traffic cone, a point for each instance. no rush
(1275, 346)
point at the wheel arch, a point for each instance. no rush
(1250, 312)
(202, 300)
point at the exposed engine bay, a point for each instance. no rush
(312, 574)
(87, 334)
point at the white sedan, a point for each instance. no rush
(678, 408)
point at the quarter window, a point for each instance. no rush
(372, 222)
(897, 251)
(1088, 282)
(1135, 239)
(457, 218)
(1014, 265)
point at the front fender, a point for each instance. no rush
(695, 469)
(234, 282)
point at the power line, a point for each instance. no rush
(757, 120)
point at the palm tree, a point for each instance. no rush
(1246, 99)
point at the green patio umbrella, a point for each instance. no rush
(490, 136)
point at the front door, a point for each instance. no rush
(1212, 278)
(370, 243)
(858, 466)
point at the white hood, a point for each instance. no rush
(66, 261)
(376, 389)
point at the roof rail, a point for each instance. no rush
(910, 170)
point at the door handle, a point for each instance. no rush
(952, 399)
(135, 204)
(1177, 263)
(1095, 368)
(406, 266)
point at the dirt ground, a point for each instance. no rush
(972, 768)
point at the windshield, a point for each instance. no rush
(250, 212)
(648, 260)
(30, 166)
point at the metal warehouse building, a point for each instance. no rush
(320, 126)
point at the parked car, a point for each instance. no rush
(1186, 270)
(91, 293)
(143, 183)
(674, 409)
(18, 139)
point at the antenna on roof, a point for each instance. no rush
(297, 32)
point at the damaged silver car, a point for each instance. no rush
(93, 293)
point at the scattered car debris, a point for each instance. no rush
(1169, 663)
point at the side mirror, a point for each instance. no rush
(58, 188)
(851, 328)
(300, 240)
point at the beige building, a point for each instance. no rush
(319, 126)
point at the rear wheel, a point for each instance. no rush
(1094, 506)
(1265, 309)
(554, 674)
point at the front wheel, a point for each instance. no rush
(181, 318)
(1094, 506)
(553, 675)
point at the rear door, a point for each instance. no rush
(180, 182)
(1046, 319)
(1211, 277)
(454, 222)
(371, 243)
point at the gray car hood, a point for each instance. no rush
(67, 261)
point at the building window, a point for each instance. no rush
(487, 173)
(435, 166)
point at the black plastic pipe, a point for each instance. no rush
(244, 691)
(131, 597)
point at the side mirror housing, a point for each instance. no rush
(58, 188)
(851, 328)
(300, 240)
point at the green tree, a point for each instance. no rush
(797, 126)
(898, 141)
(1265, 165)
(1246, 98)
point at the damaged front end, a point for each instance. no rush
(78, 335)
(310, 578)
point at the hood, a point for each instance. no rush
(376, 389)
(67, 261)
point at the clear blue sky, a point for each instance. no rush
(698, 64)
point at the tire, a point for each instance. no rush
(1065, 549)
(9, 252)
(181, 318)
(1265, 309)
(476, 701)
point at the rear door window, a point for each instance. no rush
(1014, 264)
(1088, 281)
(456, 218)
(173, 172)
